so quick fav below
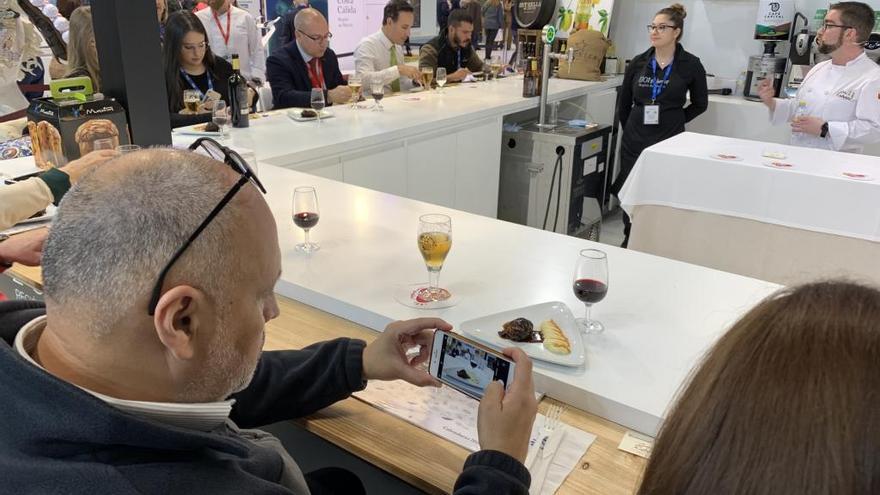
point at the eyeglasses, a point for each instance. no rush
(316, 39)
(828, 25)
(197, 47)
(660, 28)
(218, 152)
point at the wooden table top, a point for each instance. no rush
(414, 455)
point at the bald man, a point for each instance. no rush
(134, 384)
(305, 63)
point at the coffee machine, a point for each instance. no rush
(772, 27)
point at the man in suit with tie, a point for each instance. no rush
(305, 63)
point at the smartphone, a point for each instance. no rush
(468, 366)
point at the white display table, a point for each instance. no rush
(660, 315)
(438, 147)
(787, 225)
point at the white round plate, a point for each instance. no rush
(406, 295)
(857, 176)
(779, 164)
(727, 157)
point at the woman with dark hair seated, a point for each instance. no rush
(785, 403)
(190, 64)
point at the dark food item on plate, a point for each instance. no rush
(307, 114)
(212, 127)
(520, 330)
(463, 374)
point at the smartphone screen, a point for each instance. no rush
(468, 366)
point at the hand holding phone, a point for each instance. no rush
(466, 365)
(386, 357)
(506, 417)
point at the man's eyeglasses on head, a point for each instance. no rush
(660, 28)
(830, 25)
(220, 153)
(316, 38)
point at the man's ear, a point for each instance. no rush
(180, 315)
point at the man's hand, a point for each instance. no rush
(458, 75)
(385, 358)
(410, 72)
(505, 420)
(25, 248)
(766, 92)
(807, 125)
(339, 95)
(85, 164)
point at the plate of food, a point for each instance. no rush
(209, 129)
(307, 114)
(728, 157)
(545, 331)
(778, 164)
(776, 155)
(857, 176)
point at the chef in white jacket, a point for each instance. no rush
(841, 96)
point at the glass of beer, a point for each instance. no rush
(355, 83)
(191, 100)
(427, 77)
(434, 241)
(495, 67)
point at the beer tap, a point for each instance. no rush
(548, 34)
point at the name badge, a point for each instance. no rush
(652, 114)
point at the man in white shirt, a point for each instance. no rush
(380, 55)
(232, 30)
(839, 98)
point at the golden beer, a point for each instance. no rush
(434, 247)
(427, 78)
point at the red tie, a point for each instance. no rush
(315, 74)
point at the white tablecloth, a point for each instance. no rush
(813, 195)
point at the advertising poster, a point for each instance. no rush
(581, 14)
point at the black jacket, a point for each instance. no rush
(55, 437)
(289, 76)
(219, 77)
(687, 74)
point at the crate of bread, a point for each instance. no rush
(74, 121)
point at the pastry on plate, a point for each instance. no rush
(555, 340)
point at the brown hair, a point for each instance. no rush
(676, 14)
(786, 402)
(857, 15)
(392, 10)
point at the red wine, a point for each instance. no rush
(378, 96)
(589, 291)
(305, 220)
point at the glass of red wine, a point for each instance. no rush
(305, 215)
(590, 285)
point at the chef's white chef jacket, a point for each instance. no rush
(244, 40)
(845, 96)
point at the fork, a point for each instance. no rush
(551, 422)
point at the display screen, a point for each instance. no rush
(468, 368)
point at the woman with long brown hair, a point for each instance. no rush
(82, 52)
(786, 402)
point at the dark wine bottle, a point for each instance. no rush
(238, 100)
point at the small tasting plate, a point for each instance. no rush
(296, 114)
(779, 164)
(196, 130)
(857, 176)
(486, 328)
(727, 157)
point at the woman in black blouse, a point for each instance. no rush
(190, 64)
(654, 93)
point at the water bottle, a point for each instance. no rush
(801, 112)
(740, 84)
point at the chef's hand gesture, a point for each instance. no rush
(767, 93)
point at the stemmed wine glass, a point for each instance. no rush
(318, 102)
(306, 215)
(355, 83)
(434, 240)
(377, 90)
(220, 117)
(590, 285)
(440, 77)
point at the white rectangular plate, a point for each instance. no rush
(486, 330)
(296, 114)
(193, 130)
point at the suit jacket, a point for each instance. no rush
(289, 76)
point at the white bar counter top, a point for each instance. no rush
(660, 315)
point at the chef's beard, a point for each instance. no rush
(827, 49)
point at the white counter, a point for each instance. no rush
(660, 315)
(438, 147)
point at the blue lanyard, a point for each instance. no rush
(192, 84)
(458, 52)
(657, 87)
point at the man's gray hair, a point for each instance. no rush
(117, 228)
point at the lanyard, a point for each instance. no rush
(228, 25)
(192, 84)
(458, 52)
(657, 87)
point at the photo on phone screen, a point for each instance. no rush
(468, 366)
